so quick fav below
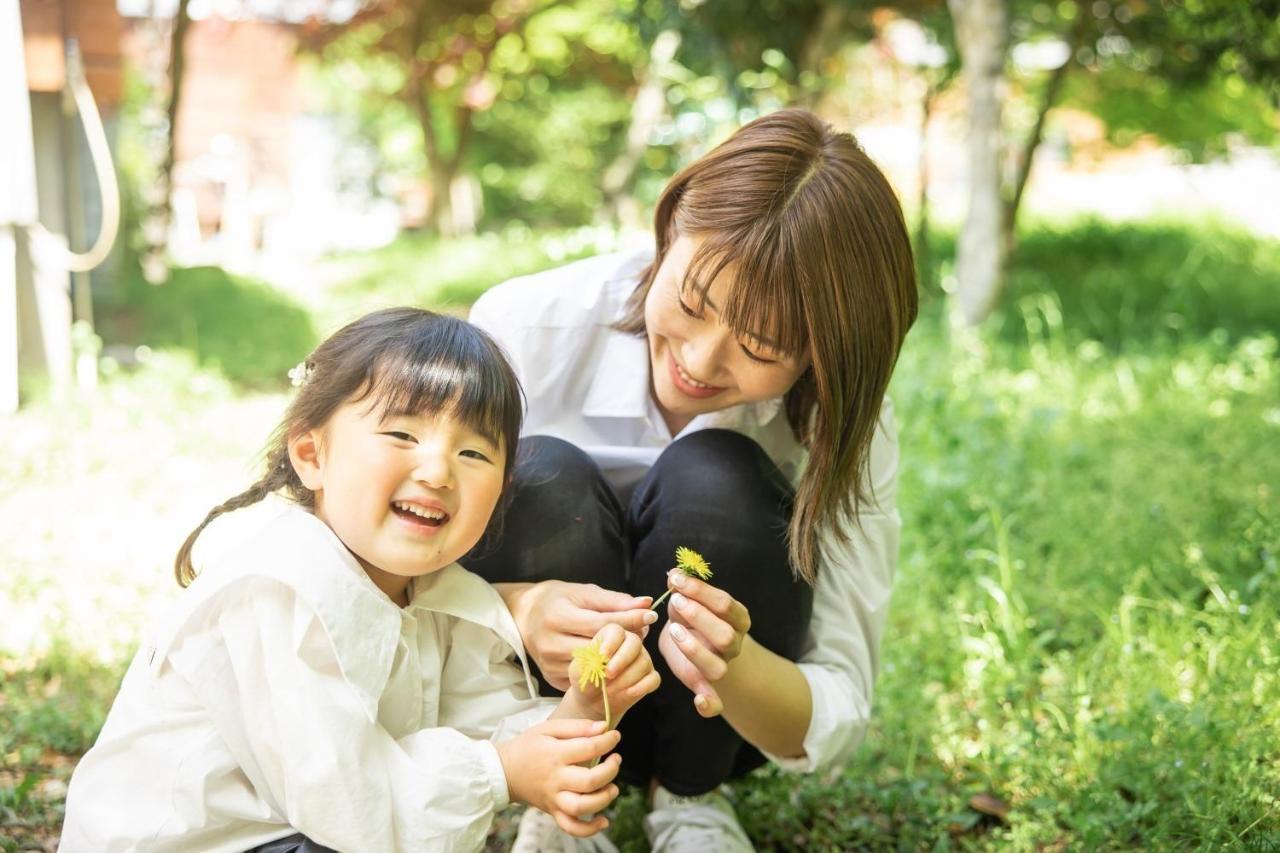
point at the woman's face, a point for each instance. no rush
(696, 363)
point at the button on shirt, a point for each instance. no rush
(588, 383)
(286, 693)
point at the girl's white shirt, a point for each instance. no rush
(287, 693)
(588, 383)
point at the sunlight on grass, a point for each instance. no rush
(1085, 626)
(107, 490)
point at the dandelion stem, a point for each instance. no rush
(661, 599)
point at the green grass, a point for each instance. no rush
(1145, 283)
(242, 327)
(450, 275)
(1085, 622)
(1085, 618)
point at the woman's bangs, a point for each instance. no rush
(765, 295)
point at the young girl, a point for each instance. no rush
(332, 678)
(723, 390)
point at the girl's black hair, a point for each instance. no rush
(398, 360)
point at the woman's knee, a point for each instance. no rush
(562, 522)
(546, 461)
(722, 468)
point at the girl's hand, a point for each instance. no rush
(544, 768)
(705, 630)
(555, 617)
(629, 677)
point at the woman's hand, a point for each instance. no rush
(705, 630)
(555, 617)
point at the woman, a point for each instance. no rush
(724, 392)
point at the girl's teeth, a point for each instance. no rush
(422, 512)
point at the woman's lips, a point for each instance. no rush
(683, 385)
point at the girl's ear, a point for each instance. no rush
(304, 453)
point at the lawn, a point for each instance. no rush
(1084, 643)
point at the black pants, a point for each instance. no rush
(715, 491)
(296, 843)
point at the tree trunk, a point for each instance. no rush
(982, 35)
(821, 43)
(1051, 92)
(924, 255)
(155, 266)
(648, 108)
(439, 172)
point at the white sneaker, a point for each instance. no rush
(702, 824)
(538, 832)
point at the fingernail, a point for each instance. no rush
(677, 578)
(650, 617)
(700, 701)
(678, 632)
(599, 726)
(678, 601)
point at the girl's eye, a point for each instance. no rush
(685, 308)
(756, 358)
(399, 436)
(475, 454)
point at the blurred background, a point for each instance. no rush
(1084, 644)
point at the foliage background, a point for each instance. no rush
(1084, 637)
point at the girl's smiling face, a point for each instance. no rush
(407, 494)
(696, 362)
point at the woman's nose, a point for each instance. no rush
(705, 354)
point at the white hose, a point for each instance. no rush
(100, 153)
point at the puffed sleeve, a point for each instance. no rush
(262, 664)
(484, 693)
(840, 659)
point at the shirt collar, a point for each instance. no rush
(621, 384)
(280, 540)
(456, 592)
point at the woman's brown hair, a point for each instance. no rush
(402, 361)
(814, 240)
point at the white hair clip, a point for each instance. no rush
(301, 373)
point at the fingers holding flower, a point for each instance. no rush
(705, 632)
(718, 619)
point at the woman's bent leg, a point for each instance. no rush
(715, 491)
(563, 522)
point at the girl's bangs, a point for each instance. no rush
(463, 382)
(765, 299)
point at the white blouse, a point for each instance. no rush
(287, 693)
(589, 384)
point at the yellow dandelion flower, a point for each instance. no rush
(688, 562)
(591, 664)
(692, 563)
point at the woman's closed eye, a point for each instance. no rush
(759, 359)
